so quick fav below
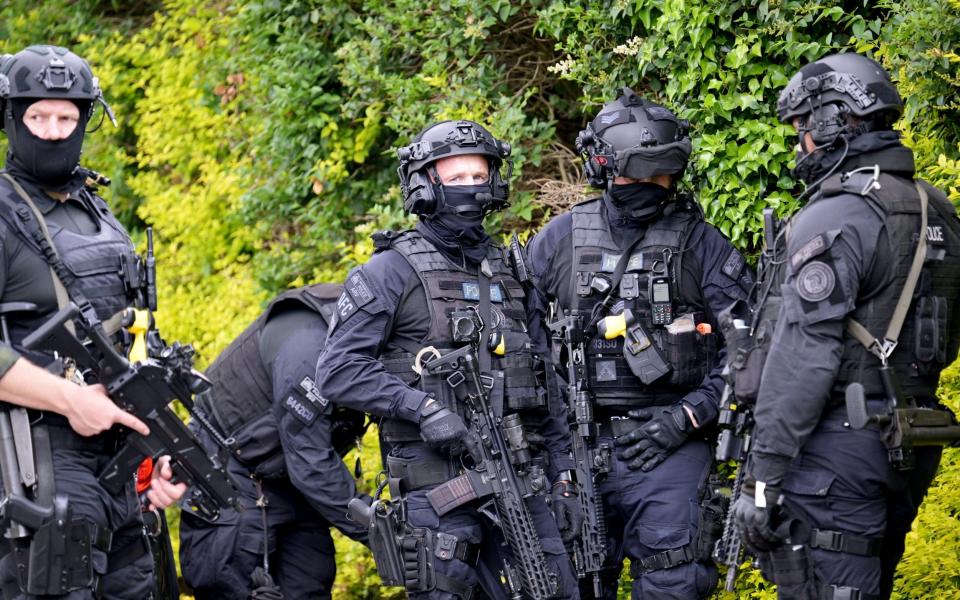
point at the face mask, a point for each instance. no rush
(458, 227)
(639, 201)
(53, 165)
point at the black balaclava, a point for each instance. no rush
(639, 202)
(811, 167)
(457, 234)
(50, 165)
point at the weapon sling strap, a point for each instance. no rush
(52, 257)
(484, 358)
(615, 278)
(883, 348)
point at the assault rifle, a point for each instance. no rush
(144, 388)
(525, 568)
(736, 427)
(746, 352)
(589, 549)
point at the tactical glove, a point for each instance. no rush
(665, 430)
(439, 426)
(567, 511)
(752, 512)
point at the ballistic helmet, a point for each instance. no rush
(826, 91)
(419, 183)
(633, 137)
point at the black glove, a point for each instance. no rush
(439, 426)
(567, 511)
(753, 512)
(665, 430)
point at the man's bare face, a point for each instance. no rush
(52, 120)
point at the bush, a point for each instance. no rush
(257, 137)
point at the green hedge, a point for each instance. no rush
(257, 137)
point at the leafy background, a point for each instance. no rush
(257, 138)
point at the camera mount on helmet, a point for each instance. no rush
(419, 183)
(824, 94)
(49, 73)
(635, 138)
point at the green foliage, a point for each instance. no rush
(257, 137)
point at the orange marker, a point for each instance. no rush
(704, 328)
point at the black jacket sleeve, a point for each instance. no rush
(290, 342)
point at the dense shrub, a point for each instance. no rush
(257, 137)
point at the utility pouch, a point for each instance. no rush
(930, 343)
(58, 558)
(691, 355)
(713, 510)
(416, 544)
(792, 571)
(747, 359)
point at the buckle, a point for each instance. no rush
(827, 540)
(445, 545)
(455, 379)
(487, 382)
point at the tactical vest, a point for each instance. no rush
(242, 396)
(96, 261)
(929, 338)
(449, 288)
(690, 355)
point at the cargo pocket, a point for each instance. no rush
(655, 538)
(809, 483)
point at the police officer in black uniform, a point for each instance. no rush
(403, 306)
(286, 458)
(847, 498)
(47, 95)
(643, 249)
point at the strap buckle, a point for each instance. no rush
(883, 349)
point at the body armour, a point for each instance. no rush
(96, 262)
(928, 340)
(241, 399)
(449, 289)
(689, 353)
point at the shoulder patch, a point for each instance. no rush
(734, 264)
(358, 288)
(814, 247)
(815, 281)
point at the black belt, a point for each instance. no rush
(65, 438)
(663, 560)
(838, 541)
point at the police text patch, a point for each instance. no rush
(357, 286)
(815, 281)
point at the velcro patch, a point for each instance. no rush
(812, 248)
(302, 411)
(358, 288)
(471, 291)
(313, 395)
(345, 307)
(815, 281)
(734, 264)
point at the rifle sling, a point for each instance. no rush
(64, 286)
(883, 348)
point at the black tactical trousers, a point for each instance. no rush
(219, 558)
(651, 513)
(468, 525)
(126, 570)
(843, 482)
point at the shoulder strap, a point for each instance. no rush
(61, 291)
(62, 280)
(601, 310)
(885, 347)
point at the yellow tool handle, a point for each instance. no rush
(615, 326)
(140, 324)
